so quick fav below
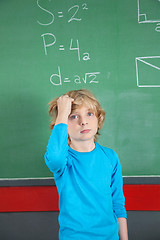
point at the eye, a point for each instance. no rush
(72, 117)
(90, 114)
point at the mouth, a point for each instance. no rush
(85, 131)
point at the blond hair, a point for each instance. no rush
(81, 97)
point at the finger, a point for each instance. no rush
(66, 96)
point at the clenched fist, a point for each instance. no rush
(64, 104)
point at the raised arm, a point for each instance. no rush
(57, 149)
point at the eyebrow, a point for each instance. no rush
(74, 111)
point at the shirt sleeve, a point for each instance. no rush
(117, 189)
(57, 149)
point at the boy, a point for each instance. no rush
(87, 175)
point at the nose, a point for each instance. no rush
(83, 121)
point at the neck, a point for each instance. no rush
(83, 146)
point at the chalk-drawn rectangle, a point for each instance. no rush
(148, 11)
(148, 71)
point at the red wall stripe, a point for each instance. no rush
(28, 199)
(142, 197)
(45, 198)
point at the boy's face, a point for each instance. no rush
(82, 124)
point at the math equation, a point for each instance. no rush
(51, 14)
(73, 13)
(74, 46)
(57, 78)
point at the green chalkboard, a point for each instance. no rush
(109, 47)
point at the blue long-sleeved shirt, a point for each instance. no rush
(89, 186)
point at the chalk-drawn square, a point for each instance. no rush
(148, 11)
(148, 71)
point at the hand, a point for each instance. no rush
(64, 104)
